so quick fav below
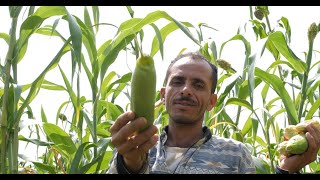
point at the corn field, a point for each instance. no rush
(256, 100)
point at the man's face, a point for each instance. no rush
(187, 94)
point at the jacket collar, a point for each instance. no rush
(205, 129)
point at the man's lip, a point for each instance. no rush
(184, 103)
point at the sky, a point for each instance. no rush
(226, 19)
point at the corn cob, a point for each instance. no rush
(143, 89)
(295, 139)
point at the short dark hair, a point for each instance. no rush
(195, 56)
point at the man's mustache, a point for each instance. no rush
(185, 99)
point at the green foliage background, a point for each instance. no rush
(265, 97)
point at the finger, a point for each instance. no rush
(312, 150)
(137, 140)
(121, 121)
(311, 141)
(128, 130)
(143, 148)
(149, 144)
(314, 133)
(317, 134)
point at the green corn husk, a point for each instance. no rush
(282, 148)
(289, 132)
(301, 127)
(295, 141)
(298, 144)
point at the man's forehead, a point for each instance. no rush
(188, 62)
(194, 69)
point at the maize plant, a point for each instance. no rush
(265, 106)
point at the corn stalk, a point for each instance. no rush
(9, 134)
(312, 33)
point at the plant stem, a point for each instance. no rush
(268, 23)
(251, 15)
(243, 77)
(304, 81)
(266, 135)
(4, 120)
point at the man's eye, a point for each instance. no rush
(199, 85)
(176, 82)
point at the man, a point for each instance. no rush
(185, 145)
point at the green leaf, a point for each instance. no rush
(87, 20)
(88, 118)
(102, 161)
(45, 167)
(110, 54)
(244, 89)
(102, 129)
(260, 141)
(43, 115)
(131, 12)
(278, 40)
(261, 166)
(213, 49)
(37, 142)
(226, 91)
(159, 38)
(59, 110)
(69, 88)
(247, 127)
(315, 106)
(287, 27)
(239, 102)
(150, 18)
(117, 91)
(251, 62)
(29, 26)
(259, 29)
(96, 16)
(124, 79)
(105, 83)
(76, 36)
(60, 138)
(5, 37)
(112, 111)
(238, 37)
(55, 24)
(49, 11)
(48, 31)
(15, 11)
(277, 84)
(165, 31)
(52, 86)
(279, 62)
(74, 169)
(37, 83)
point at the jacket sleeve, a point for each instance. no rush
(113, 164)
(247, 165)
(116, 166)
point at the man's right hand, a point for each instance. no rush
(294, 163)
(131, 144)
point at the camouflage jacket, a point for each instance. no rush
(210, 155)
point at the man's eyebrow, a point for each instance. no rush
(177, 77)
(198, 80)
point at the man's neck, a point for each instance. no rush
(183, 136)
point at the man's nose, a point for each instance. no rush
(186, 91)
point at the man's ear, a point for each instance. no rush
(212, 102)
(162, 93)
